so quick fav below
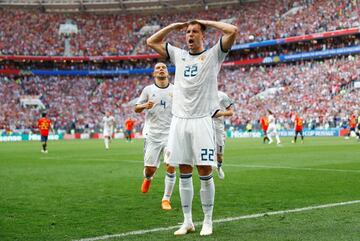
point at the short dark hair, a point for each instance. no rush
(43, 114)
(194, 22)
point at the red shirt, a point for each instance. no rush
(264, 123)
(44, 126)
(129, 124)
(352, 121)
(299, 123)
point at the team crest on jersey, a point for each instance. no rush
(202, 58)
(171, 95)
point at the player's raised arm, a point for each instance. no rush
(156, 41)
(229, 32)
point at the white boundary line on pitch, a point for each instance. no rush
(224, 220)
(292, 168)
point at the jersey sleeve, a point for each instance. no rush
(144, 96)
(219, 52)
(173, 52)
(227, 101)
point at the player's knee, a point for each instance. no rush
(150, 171)
(170, 169)
(204, 170)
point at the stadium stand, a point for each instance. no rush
(323, 90)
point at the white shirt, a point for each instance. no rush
(225, 102)
(108, 122)
(271, 120)
(158, 118)
(196, 86)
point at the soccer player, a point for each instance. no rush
(352, 125)
(109, 124)
(358, 128)
(44, 125)
(156, 99)
(264, 126)
(195, 101)
(298, 127)
(220, 135)
(129, 125)
(272, 130)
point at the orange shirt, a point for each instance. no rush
(299, 123)
(44, 126)
(129, 124)
(352, 122)
(264, 123)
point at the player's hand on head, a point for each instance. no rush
(204, 22)
(179, 26)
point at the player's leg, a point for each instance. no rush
(186, 196)
(302, 137)
(277, 137)
(220, 145)
(152, 152)
(265, 137)
(220, 158)
(170, 180)
(295, 137)
(205, 159)
(44, 144)
(148, 176)
(207, 196)
(178, 154)
(270, 133)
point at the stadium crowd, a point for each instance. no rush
(120, 34)
(320, 90)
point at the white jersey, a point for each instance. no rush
(158, 118)
(108, 122)
(272, 124)
(196, 86)
(225, 102)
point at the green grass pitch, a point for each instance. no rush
(80, 190)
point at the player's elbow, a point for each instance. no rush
(150, 42)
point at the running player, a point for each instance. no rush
(195, 101)
(156, 99)
(44, 125)
(264, 126)
(272, 130)
(108, 124)
(220, 134)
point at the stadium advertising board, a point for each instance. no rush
(27, 137)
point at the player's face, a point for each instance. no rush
(161, 71)
(194, 38)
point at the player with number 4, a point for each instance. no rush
(156, 99)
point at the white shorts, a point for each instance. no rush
(271, 129)
(153, 152)
(220, 139)
(191, 142)
(107, 133)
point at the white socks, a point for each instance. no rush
(207, 196)
(186, 195)
(170, 180)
